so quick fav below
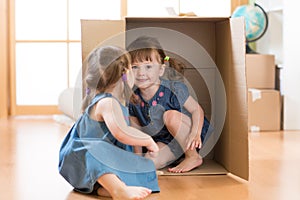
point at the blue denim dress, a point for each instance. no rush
(171, 95)
(89, 150)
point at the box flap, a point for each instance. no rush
(232, 148)
(101, 32)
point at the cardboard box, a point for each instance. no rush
(264, 110)
(214, 50)
(260, 71)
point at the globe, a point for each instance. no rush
(256, 21)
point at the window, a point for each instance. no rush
(47, 49)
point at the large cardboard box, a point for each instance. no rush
(264, 110)
(260, 71)
(214, 52)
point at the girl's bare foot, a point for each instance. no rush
(103, 192)
(189, 163)
(118, 190)
(131, 193)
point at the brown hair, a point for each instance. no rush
(142, 49)
(104, 68)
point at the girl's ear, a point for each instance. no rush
(162, 70)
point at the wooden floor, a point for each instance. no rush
(29, 157)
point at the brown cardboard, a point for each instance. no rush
(264, 110)
(260, 71)
(208, 167)
(200, 92)
(232, 149)
(223, 39)
(97, 32)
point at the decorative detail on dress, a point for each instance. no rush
(154, 103)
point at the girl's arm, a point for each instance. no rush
(109, 110)
(194, 139)
(134, 122)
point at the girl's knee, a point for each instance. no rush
(169, 116)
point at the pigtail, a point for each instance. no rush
(92, 75)
(173, 69)
(89, 95)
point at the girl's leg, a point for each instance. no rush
(179, 126)
(164, 157)
(118, 190)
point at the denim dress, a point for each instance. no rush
(89, 151)
(171, 95)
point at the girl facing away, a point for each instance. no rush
(166, 110)
(96, 155)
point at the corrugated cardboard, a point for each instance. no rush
(264, 110)
(260, 70)
(223, 39)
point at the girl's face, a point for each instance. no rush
(147, 73)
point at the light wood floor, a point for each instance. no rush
(29, 158)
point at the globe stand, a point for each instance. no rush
(249, 50)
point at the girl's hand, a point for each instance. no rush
(193, 142)
(153, 149)
(152, 154)
(138, 150)
(153, 146)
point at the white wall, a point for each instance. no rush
(282, 40)
(291, 64)
(205, 8)
(272, 41)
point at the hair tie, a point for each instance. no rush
(87, 91)
(124, 77)
(166, 59)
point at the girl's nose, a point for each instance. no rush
(141, 70)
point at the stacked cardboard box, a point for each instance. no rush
(264, 101)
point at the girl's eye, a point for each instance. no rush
(148, 66)
(134, 67)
